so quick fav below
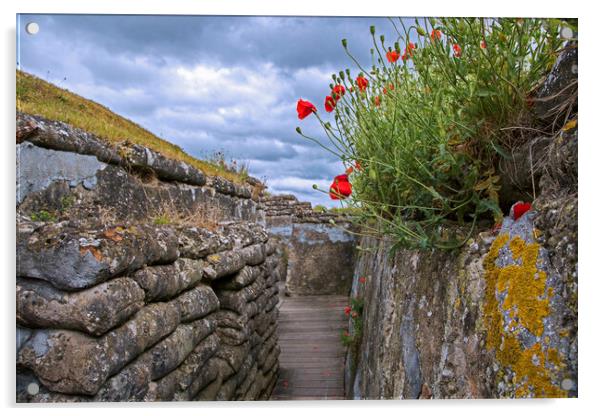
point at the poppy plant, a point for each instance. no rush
(362, 83)
(305, 108)
(435, 34)
(392, 56)
(330, 103)
(519, 209)
(340, 187)
(457, 50)
(338, 91)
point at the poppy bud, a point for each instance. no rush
(397, 47)
(382, 38)
(334, 77)
(344, 42)
(314, 186)
(298, 130)
(332, 222)
(342, 74)
(348, 72)
(372, 30)
(420, 31)
(327, 125)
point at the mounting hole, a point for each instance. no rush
(33, 388)
(32, 28)
(567, 384)
(566, 33)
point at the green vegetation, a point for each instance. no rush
(43, 216)
(337, 210)
(162, 219)
(38, 97)
(422, 131)
(67, 202)
(354, 311)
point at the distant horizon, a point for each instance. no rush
(210, 83)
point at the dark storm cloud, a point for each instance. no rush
(288, 42)
(210, 83)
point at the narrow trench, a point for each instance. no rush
(312, 356)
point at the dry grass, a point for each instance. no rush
(38, 97)
(206, 217)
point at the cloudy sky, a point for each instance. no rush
(210, 83)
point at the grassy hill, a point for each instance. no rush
(38, 97)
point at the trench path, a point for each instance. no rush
(312, 357)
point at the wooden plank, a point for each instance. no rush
(312, 358)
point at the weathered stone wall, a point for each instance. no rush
(60, 167)
(497, 318)
(320, 248)
(126, 293)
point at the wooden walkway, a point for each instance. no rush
(312, 356)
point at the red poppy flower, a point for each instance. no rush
(347, 310)
(349, 170)
(519, 209)
(362, 83)
(496, 227)
(410, 49)
(340, 187)
(305, 108)
(377, 101)
(354, 314)
(358, 165)
(392, 56)
(483, 44)
(362, 279)
(338, 91)
(330, 103)
(457, 50)
(435, 34)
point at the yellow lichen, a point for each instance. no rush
(526, 300)
(214, 258)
